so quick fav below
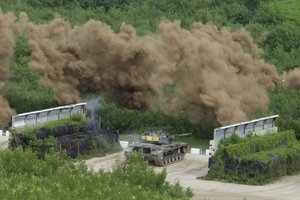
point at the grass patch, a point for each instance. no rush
(290, 9)
(75, 120)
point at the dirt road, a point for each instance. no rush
(194, 166)
(3, 142)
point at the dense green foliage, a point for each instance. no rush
(257, 159)
(256, 144)
(274, 25)
(23, 176)
(287, 104)
(127, 121)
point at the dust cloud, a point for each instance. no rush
(291, 80)
(7, 43)
(215, 74)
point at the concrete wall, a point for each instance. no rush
(260, 126)
(43, 116)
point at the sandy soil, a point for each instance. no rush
(105, 163)
(194, 166)
(3, 142)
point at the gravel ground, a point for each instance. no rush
(188, 171)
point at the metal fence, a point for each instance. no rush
(43, 116)
(258, 126)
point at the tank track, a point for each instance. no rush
(170, 157)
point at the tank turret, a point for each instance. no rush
(161, 137)
(159, 147)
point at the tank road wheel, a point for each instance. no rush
(165, 160)
(169, 159)
(179, 156)
(159, 162)
(182, 156)
(174, 157)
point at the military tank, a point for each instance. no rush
(159, 147)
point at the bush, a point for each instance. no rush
(256, 160)
(123, 119)
(235, 147)
(23, 176)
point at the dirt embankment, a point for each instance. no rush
(194, 166)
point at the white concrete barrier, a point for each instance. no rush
(6, 133)
(124, 144)
(196, 151)
(207, 152)
(43, 116)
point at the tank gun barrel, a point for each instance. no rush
(183, 135)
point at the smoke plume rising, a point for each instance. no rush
(7, 42)
(292, 79)
(216, 74)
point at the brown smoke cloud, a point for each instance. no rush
(291, 80)
(216, 73)
(7, 42)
